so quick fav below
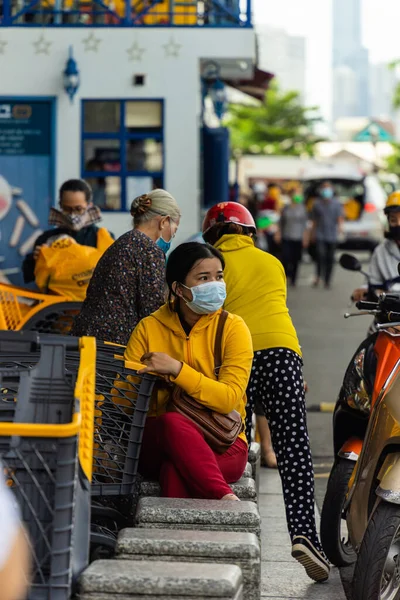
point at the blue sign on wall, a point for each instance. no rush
(26, 178)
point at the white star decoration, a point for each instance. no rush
(172, 48)
(3, 44)
(91, 43)
(135, 52)
(42, 46)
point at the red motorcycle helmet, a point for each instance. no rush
(228, 212)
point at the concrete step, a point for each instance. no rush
(245, 489)
(202, 515)
(215, 547)
(143, 580)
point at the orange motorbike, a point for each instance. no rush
(362, 383)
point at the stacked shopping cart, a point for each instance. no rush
(71, 423)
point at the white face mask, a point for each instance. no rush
(207, 297)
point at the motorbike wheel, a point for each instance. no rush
(377, 572)
(337, 548)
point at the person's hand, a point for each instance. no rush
(278, 237)
(359, 294)
(36, 251)
(160, 363)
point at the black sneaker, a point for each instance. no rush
(315, 564)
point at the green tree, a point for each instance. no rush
(394, 66)
(393, 161)
(280, 125)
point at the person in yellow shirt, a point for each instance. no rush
(177, 343)
(65, 267)
(256, 291)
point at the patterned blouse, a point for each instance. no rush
(127, 285)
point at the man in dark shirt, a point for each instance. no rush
(327, 218)
(77, 217)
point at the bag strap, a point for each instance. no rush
(218, 341)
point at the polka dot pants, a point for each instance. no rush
(276, 382)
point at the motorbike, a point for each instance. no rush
(350, 421)
(370, 504)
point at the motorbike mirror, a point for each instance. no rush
(350, 262)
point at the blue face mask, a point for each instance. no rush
(165, 246)
(207, 297)
(327, 193)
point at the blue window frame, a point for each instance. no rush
(122, 149)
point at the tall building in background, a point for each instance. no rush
(350, 62)
(382, 84)
(284, 55)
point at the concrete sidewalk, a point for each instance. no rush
(282, 577)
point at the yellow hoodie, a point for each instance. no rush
(162, 332)
(256, 290)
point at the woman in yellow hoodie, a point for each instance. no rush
(177, 343)
(256, 290)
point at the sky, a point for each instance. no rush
(312, 19)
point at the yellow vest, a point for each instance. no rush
(256, 291)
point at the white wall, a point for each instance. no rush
(108, 73)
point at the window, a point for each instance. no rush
(122, 150)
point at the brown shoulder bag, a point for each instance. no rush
(220, 431)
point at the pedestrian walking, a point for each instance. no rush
(327, 222)
(293, 232)
(256, 291)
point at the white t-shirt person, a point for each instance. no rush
(14, 548)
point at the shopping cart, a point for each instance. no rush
(21, 308)
(46, 451)
(121, 403)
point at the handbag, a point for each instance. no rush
(220, 431)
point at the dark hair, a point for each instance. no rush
(184, 257)
(76, 185)
(219, 229)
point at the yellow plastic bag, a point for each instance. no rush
(65, 268)
(352, 209)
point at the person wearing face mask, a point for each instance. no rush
(383, 273)
(177, 342)
(327, 223)
(128, 282)
(293, 233)
(256, 291)
(77, 217)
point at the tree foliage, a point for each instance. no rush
(394, 66)
(280, 125)
(393, 161)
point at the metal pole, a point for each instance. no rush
(248, 14)
(128, 12)
(6, 12)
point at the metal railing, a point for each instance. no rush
(126, 13)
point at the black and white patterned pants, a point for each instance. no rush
(276, 382)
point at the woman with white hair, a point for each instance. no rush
(128, 283)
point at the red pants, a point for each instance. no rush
(175, 453)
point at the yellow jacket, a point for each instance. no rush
(163, 332)
(256, 290)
